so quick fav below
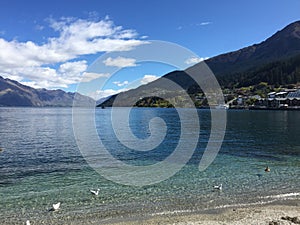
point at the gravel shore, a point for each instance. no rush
(258, 215)
(288, 214)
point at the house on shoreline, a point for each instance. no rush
(287, 99)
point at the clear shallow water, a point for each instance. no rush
(41, 165)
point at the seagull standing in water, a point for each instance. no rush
(95, 192)
(27, 222)
(267, 169)
(218, 187)
(56, 206)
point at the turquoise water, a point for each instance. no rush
(41, 164)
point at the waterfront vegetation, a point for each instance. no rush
(240, 97)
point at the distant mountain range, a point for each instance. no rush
(12, 93)
(275, 61)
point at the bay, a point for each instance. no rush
(41, 164)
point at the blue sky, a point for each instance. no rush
(50, 44)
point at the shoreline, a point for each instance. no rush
(268, 212)
(258, 214)
(276, 213)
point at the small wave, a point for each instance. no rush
(244, 204)
(269, 199)
(281, 196)
(171, 212)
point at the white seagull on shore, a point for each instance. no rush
(218, 187)
(27, 222)
(95, 192)
(56, 206)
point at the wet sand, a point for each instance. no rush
(235, 216)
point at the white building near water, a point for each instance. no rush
(271, 95)
(281, 94)
(283, 99)
(295, 94)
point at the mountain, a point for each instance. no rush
(231, 68)
(282, 45)
(275, 61)
(101, 100)
(12, 93)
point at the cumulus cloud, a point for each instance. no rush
(120, 62)
(88, 37)
(104, 93)
(87, 77)
(148, 78)
(72, 69)
(120, 84)
(56, 63)
(31, 84)
(108, 92)
(194, 60)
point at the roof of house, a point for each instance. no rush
(295, 94)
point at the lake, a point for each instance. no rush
(41, 164)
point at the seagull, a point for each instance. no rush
(95, 192)
(27, 222)
(56, 206)
(218, 187)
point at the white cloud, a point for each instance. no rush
(104, 93)
(120, 84)
(108, 92)
(148, 78)
(72, 69)
(120, 62)
(46, 77)
(204, 23)
(87, 77)
(31, 84)
(81, 37)
(194, 60)
(56, 63)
